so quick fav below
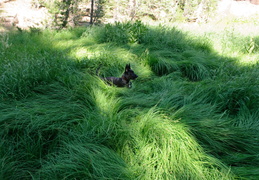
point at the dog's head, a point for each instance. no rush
(129, 73)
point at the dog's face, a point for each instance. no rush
(129, 73)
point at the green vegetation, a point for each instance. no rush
(69, 13)
(191, 114)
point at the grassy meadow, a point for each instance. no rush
(192, 114)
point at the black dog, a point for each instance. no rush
(124, 80)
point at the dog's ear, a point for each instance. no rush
(127, 67)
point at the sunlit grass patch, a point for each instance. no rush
(158, 147)
(249, 60)
(106, 104)
(81, 53)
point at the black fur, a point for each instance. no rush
(124, 80)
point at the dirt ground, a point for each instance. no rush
(23, 14)
(237, 8)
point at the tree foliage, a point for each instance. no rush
(162, 10)
(69, 12)
(64, 12)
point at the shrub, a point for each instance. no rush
(123, 33)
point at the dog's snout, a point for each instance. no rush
(134, 77)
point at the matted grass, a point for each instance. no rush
(191, 114)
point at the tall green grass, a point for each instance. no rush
(191, 114)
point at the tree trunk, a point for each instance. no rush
(66, 12)
(92, 12)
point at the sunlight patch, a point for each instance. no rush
(81, 53)
(63, 44)
(249, 60)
